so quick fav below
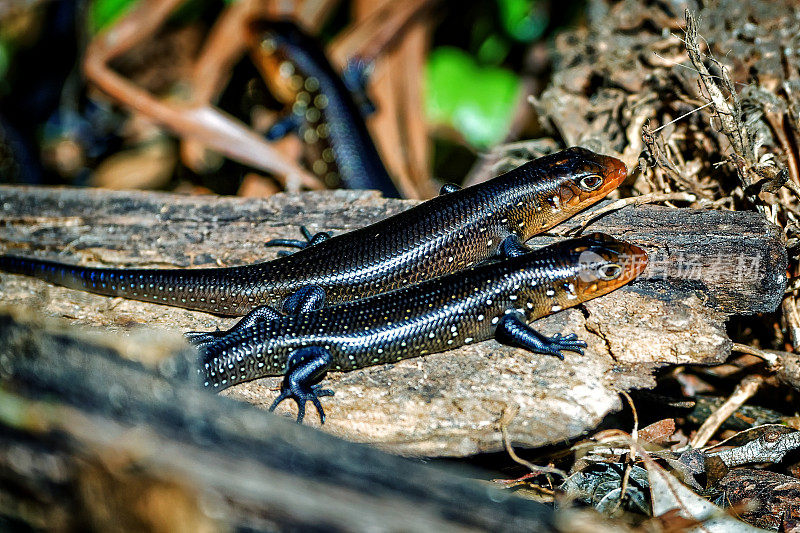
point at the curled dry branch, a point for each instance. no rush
(204, 124)
(755, 173)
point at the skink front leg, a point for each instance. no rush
(447, 188)
(308, 298)
(283, 127)
(512, 247)
(306, 367)
(355, 76)
(513, 331)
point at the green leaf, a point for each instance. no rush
(493, 50)
(5, 60)
(525, 20)
(103, 13)
(477, 101)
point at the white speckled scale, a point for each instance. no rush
(430, 317)
(437, 237)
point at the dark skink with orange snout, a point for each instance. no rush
(450, 232)
(494, 300)
(322, 110)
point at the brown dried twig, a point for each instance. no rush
(658, 151)
(771, 357)
(632, 457)
(205, 124)
(743, 392)
(792, 317)
(223, 47)
(505, 418)
(226, 44)
(643, 199)
(726, 112)
(375, 32)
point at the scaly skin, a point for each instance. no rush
(494, 300)
(338, 146)
(447, 233)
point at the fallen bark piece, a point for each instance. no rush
(769, 500)
(670, 498)
(734, 262)
(91, 441)
(444, 404)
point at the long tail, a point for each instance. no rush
(202, 289)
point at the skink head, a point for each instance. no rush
(275, 34)
(562, 184)
(282, 52)
(577, 270)
(583, 177)
(603, 264)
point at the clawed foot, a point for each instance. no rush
(310, 240)
(513, 331)
(305, 368)
(570, 342)
(202, 338)
(301, 395)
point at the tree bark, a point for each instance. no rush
(704, 267)
(92, 441)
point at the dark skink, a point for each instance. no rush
(439, 236)
(322, 110)
(494, 300)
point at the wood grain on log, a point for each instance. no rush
(90, 441)
(705, 266)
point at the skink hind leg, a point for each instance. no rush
(305, 299)
(513, 331)
(201, 339)
(308, 298)
(311, 240)
(259, 314)
(305, 369)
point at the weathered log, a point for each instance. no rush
(92, 441)
(734, 262)
(705, 266)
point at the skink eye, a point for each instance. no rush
(609, 271)
(590, 182)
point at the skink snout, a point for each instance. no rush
(615, 171)
(606, 263)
